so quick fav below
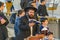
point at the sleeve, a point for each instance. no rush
(6, 23)
(46, 11)
(39, 10)
(41, 28)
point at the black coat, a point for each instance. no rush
(3, 29)
(25, 29)
(42, 11)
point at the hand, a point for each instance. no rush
(31, 24)
(3, 21)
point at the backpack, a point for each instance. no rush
(12, 18)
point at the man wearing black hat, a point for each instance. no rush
(42, 11)
(3, 23)
(26, 24)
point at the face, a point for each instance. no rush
(46, 22)
(2, 7)
(50, 37)
(44, 2)
(31, 13)
(23, 13)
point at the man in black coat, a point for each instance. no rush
(3, 23)
(25, 24)
(42, 11)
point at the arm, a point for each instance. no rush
(46, 11)
(39, 10)
(6, 20)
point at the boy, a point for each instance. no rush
(49, 36)
(44, 24)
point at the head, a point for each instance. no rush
(44, 21)
(50, 35)
(30, 11)
(21, 13)
(43, 2)
(1, 6)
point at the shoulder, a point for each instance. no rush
(40, 5)
(41, 27)
(2, 14)
(23, 18)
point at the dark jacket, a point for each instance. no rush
(3, 29)
(42, 11)
(25, 29)
(41, 27)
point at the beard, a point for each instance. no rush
(31, 16)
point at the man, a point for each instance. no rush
(42, 11)
(26, 24)
(3, 23)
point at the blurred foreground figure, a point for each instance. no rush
(3, 23)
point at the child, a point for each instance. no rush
(44, 23)
(50, 36)
(20, 14)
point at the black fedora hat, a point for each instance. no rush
(30, 8)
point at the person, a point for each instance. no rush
(24, 3)
(12, 8)
(8, 7)
(37, 3)
(49, 36)
(3, 23)
(44, 24)
(32, 3)
(26, 24)
(44, 31)
(42, 11)
(20, 14)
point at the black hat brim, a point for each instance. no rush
(30, 8)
